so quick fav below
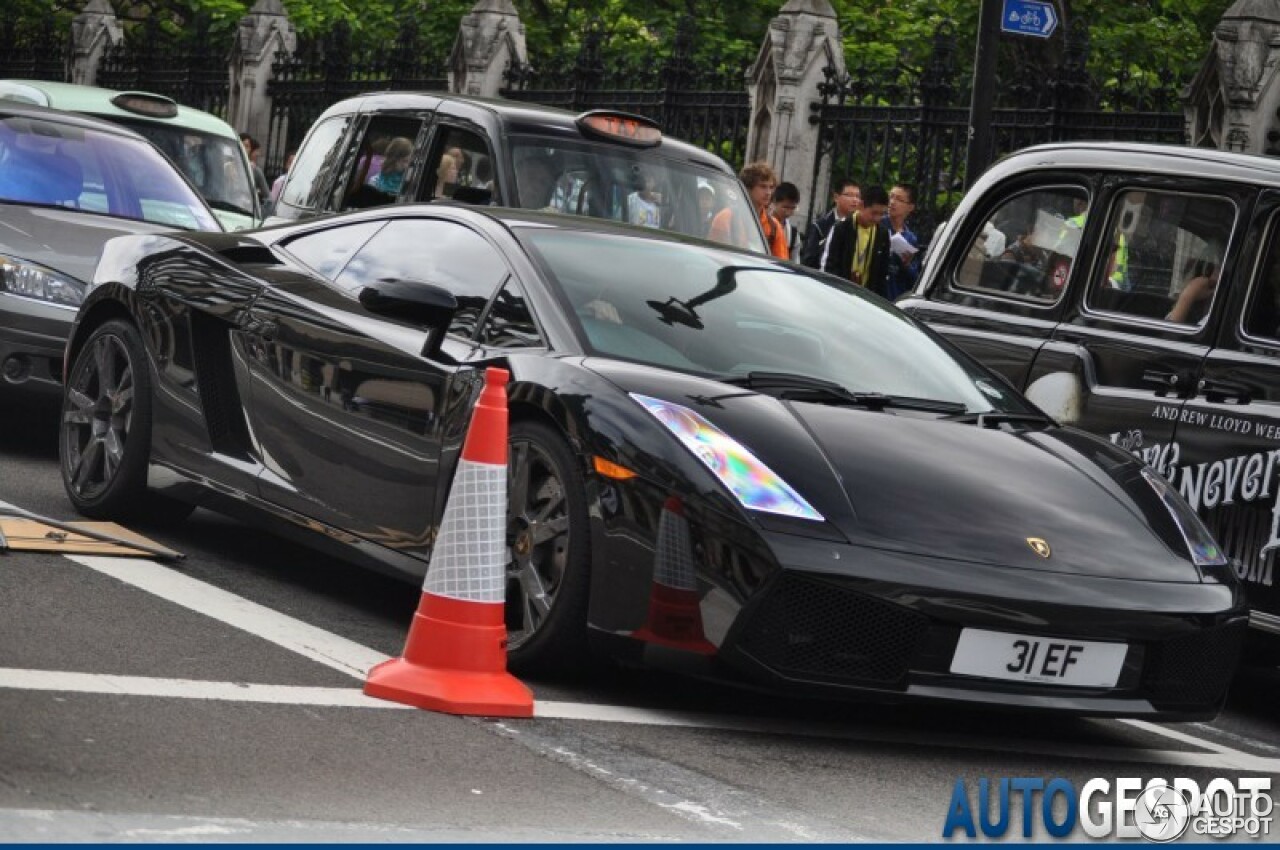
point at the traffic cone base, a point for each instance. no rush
(450, 691)
(455, 661)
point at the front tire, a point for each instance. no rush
(548, 550)
(104, 438)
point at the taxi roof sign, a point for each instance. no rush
(143, 103)
(620, 127)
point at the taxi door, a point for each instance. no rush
(1230, 441)
(1129, 352)
(1000, 288)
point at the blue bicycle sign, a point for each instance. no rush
(1029, 17)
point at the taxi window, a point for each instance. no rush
(460, 168)
(1262, 319)
(378, 174)
(1161, 256)
(318, 156)
(1027, 245)
(439, 252)
(633, 185)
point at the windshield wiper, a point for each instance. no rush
(227, 206)
(993, 418)
(791, 385)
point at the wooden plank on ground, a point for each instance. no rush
(25, 535)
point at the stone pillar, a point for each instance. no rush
(261, 35)
(490, 38)
(1232, 102)
(802, 40)
(93, 32)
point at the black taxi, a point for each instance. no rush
(1134, 291)
(405, 147)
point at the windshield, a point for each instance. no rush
(635, 185)
(215, 164)
(44, 162)
(699, 309)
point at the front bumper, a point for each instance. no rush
(33, 337)
(813, 633)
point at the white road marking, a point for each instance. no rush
(1184, 737)
(96, 683)
(307, 640)
(355, 660)
(144, 686)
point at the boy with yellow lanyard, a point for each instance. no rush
(859, 245)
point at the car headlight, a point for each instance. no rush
(21, 277)
(753, 484)
(1200, 543)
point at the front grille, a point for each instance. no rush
(1194, 669)
(811, 628)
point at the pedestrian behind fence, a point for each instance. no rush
(785, 200)
(904, 244)
(845, 198)
(760, 180)
(253, 148)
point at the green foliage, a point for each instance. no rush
(1157, 38)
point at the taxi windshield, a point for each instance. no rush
(633, 185)
(52, 164)
(705, 310)
(213, 163)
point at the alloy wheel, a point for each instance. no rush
(97, 415)
(537, 539)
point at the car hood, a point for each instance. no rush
(918, 483)
(68, 241)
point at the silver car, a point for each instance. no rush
(67, 185)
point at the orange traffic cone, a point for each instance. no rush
(455, 658)
(675, 617)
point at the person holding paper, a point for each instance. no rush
(904, 245)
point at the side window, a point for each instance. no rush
(1161, 255)
(320, 155)
(328, 251)
(432, 251)
(1262, 319)
(509, 323)
(1027, 245)
(460, 168)
(382, 159)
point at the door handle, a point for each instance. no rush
(1167, 381)
(1219, 390)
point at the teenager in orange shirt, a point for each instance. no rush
(760, 180)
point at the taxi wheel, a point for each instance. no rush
(105, 430)
(547, 549)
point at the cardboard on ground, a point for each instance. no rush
(25, 535)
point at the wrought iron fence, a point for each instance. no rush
(910, 125)
(188, 64)
(323, 71)
(703, 101)
(33, 50)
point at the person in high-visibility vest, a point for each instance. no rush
(1118, 270)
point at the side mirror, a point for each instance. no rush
(416, 302)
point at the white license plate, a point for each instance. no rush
(1026, 658)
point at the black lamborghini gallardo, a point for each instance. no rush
(717, 460)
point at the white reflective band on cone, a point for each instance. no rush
(470, 553)
(673, 566)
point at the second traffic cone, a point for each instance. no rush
(455, 658)
(675, 616)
